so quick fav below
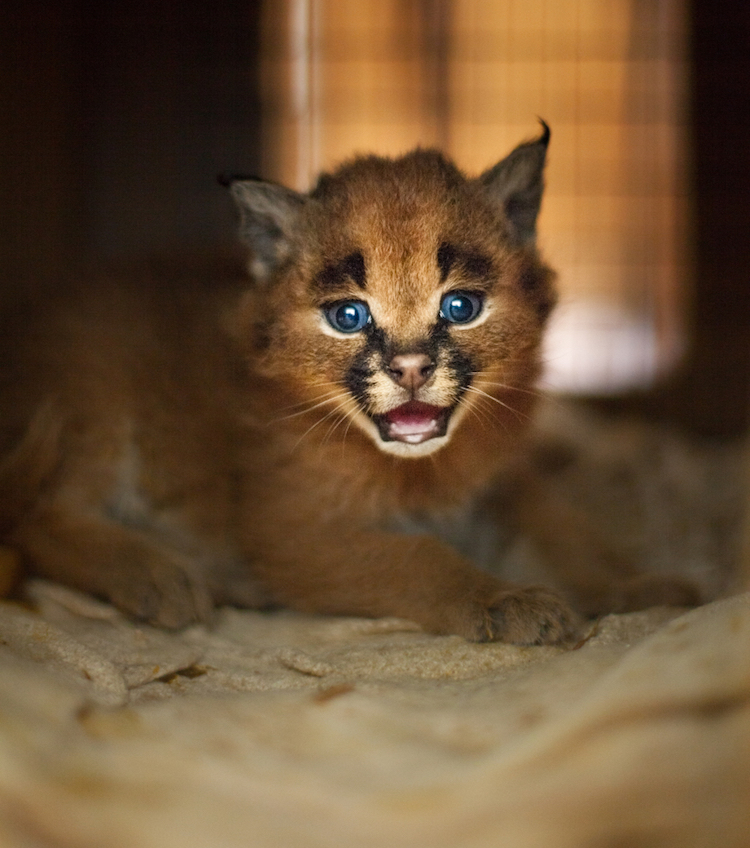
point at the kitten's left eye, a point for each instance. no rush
(460, 307)
(347, 316)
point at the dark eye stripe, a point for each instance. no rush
(354, 266)
(446, 256)
(471, 262)
(351, 267)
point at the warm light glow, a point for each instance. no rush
(348, 76)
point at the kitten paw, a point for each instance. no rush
(530, 616)
(166, 596)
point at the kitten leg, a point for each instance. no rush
(596, 579)
(124, 565)
(415, 577)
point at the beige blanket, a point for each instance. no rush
(284, 730)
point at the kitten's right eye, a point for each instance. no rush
(348, 316)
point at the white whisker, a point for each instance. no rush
(331, 397)
(480, 413)
(520, 416)
(334, 386)
(313, 426)
(510, 388)
(344, 414)
(548, 397)
(349, 424)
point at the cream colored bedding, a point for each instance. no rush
(285, 730)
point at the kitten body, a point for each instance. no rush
(176, 440)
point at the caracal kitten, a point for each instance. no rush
(176, 440)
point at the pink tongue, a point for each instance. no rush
(413, 421)
(413, 414)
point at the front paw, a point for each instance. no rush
(529, 616)
(165, 593)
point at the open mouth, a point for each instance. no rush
(413, 422)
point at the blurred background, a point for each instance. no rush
(116, 120)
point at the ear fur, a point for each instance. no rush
(516, 184)
(268, 217)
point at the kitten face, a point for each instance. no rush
(401, 297)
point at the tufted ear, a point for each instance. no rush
(269, 214)
(516, 184)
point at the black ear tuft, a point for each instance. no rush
(516, 184)
(268, 218)
(546, 133)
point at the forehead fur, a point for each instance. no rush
(419, 169)
(405, 201)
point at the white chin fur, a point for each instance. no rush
(404, 449)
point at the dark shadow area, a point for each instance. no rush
(116, 121)
(713, 395)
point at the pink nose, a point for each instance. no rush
(411, 370)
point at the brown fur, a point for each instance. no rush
(178, 440)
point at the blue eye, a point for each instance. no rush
(348, 316)
(460, 307)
